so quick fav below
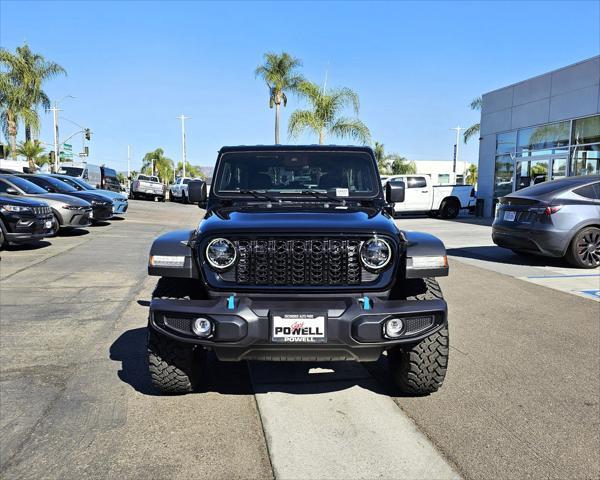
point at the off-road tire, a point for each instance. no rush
(449, 209)
(578, 254)
(174, 366)
(420, 369)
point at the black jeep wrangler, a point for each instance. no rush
(298, 258)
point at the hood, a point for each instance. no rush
(21, 202)
(109, 194)
(89, 196)
(62, 199)
(317, 221)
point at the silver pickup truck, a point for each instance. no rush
(147, 186)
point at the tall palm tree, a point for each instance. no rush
(473, 129)
(35, 69)
(379, 152)
(34, 153)
(324, 115)
(472, 174)
(156, 163)
(279, 74)
(401, 166)
(14, 103)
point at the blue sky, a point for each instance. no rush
(135, 66)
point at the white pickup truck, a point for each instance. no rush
(179, 189)
(423, 197)
(147, 186)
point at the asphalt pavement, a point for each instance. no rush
(521, 398)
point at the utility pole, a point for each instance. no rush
(183, 118)
(55, 111)
(128, 167)
(458, 129)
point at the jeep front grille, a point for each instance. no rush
(319, 261)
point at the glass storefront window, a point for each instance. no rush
(443, 178)
(586, 130)
(585, 160)
(543, 137)
(503, 175)
(506, 142)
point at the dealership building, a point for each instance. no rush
(543, 128)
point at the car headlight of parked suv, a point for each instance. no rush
(71, 207)
(221, 253)
(15, 208)
(375, 253)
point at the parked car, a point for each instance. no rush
(559, 218)
(86, 171)
(179, 189)
(147, 186)
(424, 197)
(110, 181)
(67, 211)
(23, 220)
(101, 205)
(298, 258)
(120, 203)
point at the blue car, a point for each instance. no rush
(120, 203)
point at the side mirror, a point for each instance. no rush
(394, 191)
(197, 192)
(12, 191)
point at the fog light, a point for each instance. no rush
(202, 327)
(393, 327)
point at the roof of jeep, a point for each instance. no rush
(296, 148)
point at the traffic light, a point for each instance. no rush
(86, 150)
(88, 134)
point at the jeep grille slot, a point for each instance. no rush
(318, 261)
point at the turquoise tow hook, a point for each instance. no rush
(230, 302)
(366, 303)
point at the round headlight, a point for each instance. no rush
(375, 253)
(221, 253)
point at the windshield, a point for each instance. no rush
(76, 183)
(71, 171)
(59, 186)
(26, 186)
(147, 178)
(345, 174)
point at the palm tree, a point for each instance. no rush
(473, 129)
(190, 170)
(324, 116)
(33, 152)
(35, 69)
(155, 163)
(379, 152)
(401, 166)
(279, 74)
(472, 174)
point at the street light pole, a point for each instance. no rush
(458, 129)
(183, 118)
(55, 111)
(128, 167)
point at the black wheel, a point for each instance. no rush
(174, 366)
(420, 368)
(3, 241)
(449, 208)
(184, 198)
(171, 197)
(584, 250)
(55, 226)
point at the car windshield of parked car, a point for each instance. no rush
(77, 183)
(28, 187)
(345, 174)
(49, 184)
(71, 171)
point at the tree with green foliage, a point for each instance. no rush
(382, 163)
(33, 151)
(473, 129)
(190, 170)
(156, 163)
(472, 174)
(401, 166)
(279, 73)
(324, 115)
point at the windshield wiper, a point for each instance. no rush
(323, 196)
(257, 194)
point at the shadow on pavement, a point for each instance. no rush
(118, 219)
(72, 232)
(233, 378)
(22, 247)
(505, 256)
(100, 223)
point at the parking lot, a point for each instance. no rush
(521, 398)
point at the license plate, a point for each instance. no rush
(48, 224)
(298, 328)
(510, 216)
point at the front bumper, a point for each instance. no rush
(30, 229)
(120, 207)
(244, 332)
(102, 212)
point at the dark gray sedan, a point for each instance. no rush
(560, 218)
